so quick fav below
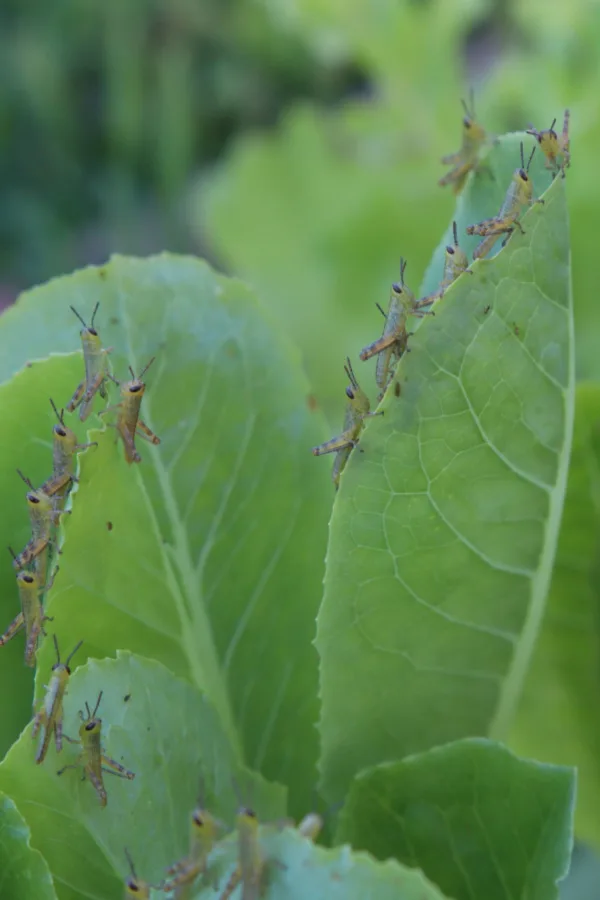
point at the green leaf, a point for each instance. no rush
(27, 421)
(162, 729)
(24, 873)
(214, 557)
(555, 719)
(477, 820)
(443, 533)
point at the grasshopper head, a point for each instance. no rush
(357, 397)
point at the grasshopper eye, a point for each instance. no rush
(31, 498)
(349, 393)
(397, 288)
(135, 388)
(523, 175)
(450, 250)
(198, 820)
(93, 332)
(60, 431)
(90, 725)
(249, 813)
(27, 578)
(467, 122)
(133, 886)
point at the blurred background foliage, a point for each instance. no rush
(293, 142)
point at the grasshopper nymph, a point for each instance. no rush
(394, 340)
(31, 617)
(465, 160)
(357, 410)
(43, 515)
(92, 758)
(519, 194)
(50, 716)
(134, 886)
(455, 263)
(129, 425)
(64, 447)
(251, 863)
(204, 829)
(94, 359)
(556, 148)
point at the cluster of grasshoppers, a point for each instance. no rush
(33, 564)
(195, 868)
(393, 343)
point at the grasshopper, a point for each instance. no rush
(94, 359)
(357, 410)
(251, 863)
(43, 515)
(465, 160)
(31, 617)
(50, 716)
(519, 194)
(92, 758)
(129, 423)
(556, 149)
(393, 342)
(203, 834)
(64, 447)
(455, 263)
(134, 886)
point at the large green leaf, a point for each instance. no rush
(556, 718)
(212, 561)
(443, 534)
(27, 422)
(477, 820)
(24, 873)
(163, 730)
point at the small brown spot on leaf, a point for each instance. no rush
(109, 525)
(312, 402)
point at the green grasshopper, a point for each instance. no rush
(204, 829)
(129, 423)
(92, 758)
(455, 263)
(94, 359)
(357, 410)
(393, 342)
(50, 716)
(31, 617)
(251, 863)
(134, 886)
(43, 515)
(519, 194)
(556, 149)
(465, 160)
(64, 447)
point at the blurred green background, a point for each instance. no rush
(293, 142)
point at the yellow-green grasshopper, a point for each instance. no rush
(92, 758)
(64, 448)
(43, 515)
(251, 862)
(134, 886)
(394, 340)
(556, 148)
(466, 159)
(31, 617)
(204, 828)
(455, 263)
(357, 410)
(128, 422)
(50, 715)
(94, 359)
(519, 194)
